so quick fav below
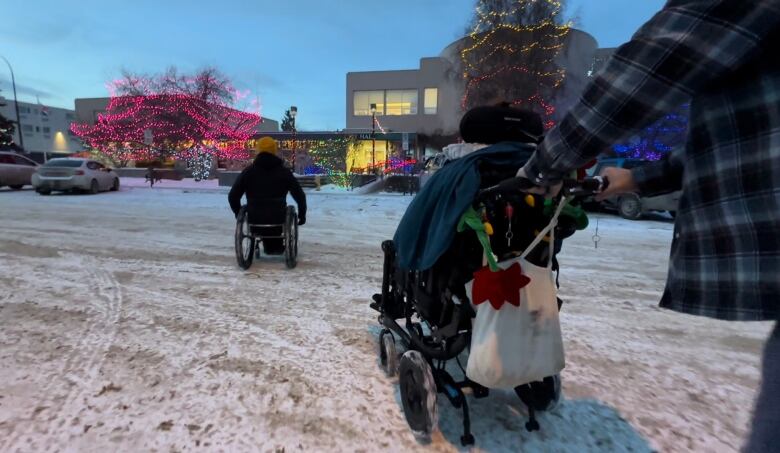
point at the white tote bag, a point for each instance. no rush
(516, 344)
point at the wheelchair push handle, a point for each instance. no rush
(571, 187)
(586, 187)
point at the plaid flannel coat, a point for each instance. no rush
(723, 56)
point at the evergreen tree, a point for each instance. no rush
(287, 122)
(7, 128)
(510, 53)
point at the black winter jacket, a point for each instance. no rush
(266, 183)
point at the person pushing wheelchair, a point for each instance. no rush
(266, 183)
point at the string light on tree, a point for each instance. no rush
(379, 125)
(653, 142)
(171, 117)
(331, 156)
(510, 54)
(200, 161)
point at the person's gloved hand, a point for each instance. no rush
(621, 181)
(302, 220)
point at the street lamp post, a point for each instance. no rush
(16, 105)
(293, 114)
(373, 137)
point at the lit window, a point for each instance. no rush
(431, 101)
(402, 102)
(364, 99)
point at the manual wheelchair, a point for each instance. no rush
(249, 237)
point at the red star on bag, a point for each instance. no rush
(499, 287)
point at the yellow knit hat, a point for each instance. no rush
(266, 145)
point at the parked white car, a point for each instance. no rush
(74, 174)
(16, 171)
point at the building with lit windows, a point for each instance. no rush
(422, 101)
(427, 101)
(44, 129)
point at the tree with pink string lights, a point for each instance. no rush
(171, 115)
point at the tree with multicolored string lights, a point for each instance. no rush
(172, 116)
(510, 52)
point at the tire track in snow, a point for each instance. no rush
(81, 369)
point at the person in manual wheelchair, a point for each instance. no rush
(266, 183)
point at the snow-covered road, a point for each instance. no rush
(125, 325)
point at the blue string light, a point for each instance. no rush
(658, 139)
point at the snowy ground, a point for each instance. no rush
(126, 325)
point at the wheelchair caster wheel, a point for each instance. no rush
(418, 394)
(388, 355)
(541, 395)
(532, 425)
(467, 440)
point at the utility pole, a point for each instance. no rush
(373, 137)
(293, 114)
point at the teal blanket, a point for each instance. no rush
(430, 222)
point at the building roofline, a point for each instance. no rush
(321, 135)
(383, 71)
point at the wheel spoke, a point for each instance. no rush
(246, 247)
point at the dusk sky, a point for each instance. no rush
(288, 52)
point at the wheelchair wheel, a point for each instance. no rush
(291, 238)
(245, 243)
(418, 394)
(388, 355)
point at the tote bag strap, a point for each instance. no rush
(550, 228)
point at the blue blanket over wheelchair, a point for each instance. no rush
(429, 224)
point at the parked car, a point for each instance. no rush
(68, 174)
(631, 205)
(16, 171)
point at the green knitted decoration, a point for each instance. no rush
(574, 212)
(472, 219)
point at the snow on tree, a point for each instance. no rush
(172, 115)
(510, 53)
